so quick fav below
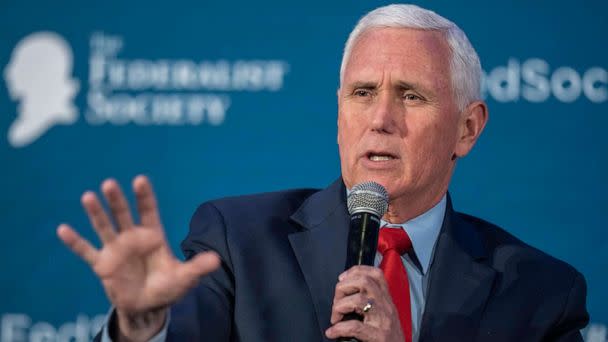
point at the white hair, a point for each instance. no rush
(465, 67)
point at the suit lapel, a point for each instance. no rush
(459, 283)
(320, 247)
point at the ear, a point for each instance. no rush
(472, 121)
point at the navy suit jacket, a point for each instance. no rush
(282, 253)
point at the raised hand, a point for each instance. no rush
(139, 273)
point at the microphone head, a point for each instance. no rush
(369, 197)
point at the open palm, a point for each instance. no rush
(135, 264)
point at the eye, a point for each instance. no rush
(411, 97)
(362, 92)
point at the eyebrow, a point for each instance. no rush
(400, 84)
(364, 85)
(414, 86)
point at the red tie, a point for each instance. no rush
(392, 243)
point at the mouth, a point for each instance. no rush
(380, 156)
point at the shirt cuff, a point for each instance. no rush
(160, 337)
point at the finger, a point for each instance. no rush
(98, 217)
(363, 284)
(348, 304)
(357, 270)
(118, 204)
(77, 244)
(146, 202)
(367, 271)
(353, 328)
(200, 265)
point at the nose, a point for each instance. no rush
(384, 114)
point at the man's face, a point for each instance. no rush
(397, 119)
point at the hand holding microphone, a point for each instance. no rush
(363, 309)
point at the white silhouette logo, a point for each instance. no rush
(39, 76)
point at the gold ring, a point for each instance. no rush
(367, 307)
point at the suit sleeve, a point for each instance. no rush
(574, 316)
(206, 312)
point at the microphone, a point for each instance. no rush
(367, 202)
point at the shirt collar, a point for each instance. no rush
(423, 231)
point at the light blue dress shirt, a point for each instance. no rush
(423, 231)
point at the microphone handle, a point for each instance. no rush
(361, 250)
(362, 239)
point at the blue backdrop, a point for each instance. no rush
(214, 99)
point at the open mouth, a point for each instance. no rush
(380, 156)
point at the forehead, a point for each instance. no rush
(407, 54)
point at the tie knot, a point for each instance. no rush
(394, 238)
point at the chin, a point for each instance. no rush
(390, 179)
(385, 181)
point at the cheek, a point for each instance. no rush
(347, 135)
(345, 147)
(430, 144)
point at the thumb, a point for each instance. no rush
(201, 264)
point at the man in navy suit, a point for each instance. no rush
(269, 267)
